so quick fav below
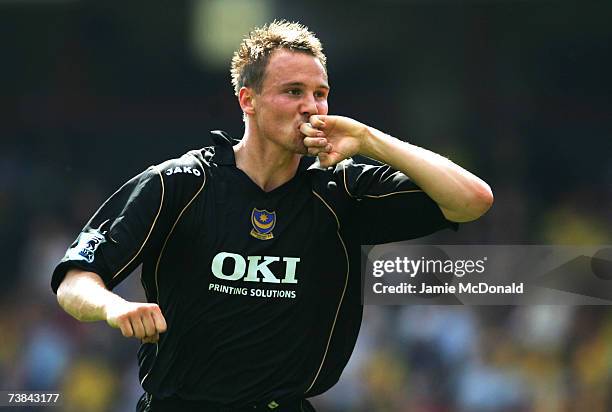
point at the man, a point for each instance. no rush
(250, 250)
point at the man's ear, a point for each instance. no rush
(246, 98)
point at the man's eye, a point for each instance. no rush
(320, 95)
(295, 92)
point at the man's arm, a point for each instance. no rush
(83, 295)
(461, 195)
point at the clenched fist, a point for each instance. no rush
(140, 320)
(333, 138)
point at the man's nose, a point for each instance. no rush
(309, 106)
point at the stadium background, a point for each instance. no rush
(517, 91)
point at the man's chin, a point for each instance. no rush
(299, 147)
(296, 147)
(301, 150)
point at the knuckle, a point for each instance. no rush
(124, 319)
(144, 314)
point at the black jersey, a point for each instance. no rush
(260, 290)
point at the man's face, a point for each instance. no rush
(294, 88)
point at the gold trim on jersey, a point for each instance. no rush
(161, 202)
(164, 247)
(331, 332)
(156, 352)
(174, 225)
(374, 196)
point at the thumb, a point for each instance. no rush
(323, 159)
(327, 159)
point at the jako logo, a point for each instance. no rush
(184, 169)
(255, 268)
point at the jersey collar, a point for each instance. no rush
(224, 154)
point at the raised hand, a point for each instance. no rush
(333, 138)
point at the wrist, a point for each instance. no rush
(109, 306)
(372, 143)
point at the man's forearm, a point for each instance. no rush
(461, 195)
(84, 296)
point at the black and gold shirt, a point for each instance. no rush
(261, 290)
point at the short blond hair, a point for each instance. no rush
(251, 59)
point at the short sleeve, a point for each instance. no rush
(390, 206)
(112, 242)
(135, 220)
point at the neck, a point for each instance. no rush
(266, 163)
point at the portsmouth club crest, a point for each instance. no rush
(263, 223)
